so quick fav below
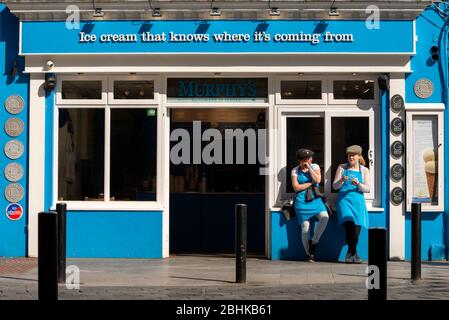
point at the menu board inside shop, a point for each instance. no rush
(425, 159)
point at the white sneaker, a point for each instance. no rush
(356, 258)
(349, 258)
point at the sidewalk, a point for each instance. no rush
(212, 277)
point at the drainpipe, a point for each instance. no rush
(443, 66)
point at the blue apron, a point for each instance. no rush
(351, 205)
(306, 210)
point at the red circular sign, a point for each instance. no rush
(14, 211)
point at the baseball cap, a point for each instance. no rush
(304, 153)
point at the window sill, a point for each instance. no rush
(111, 206)
(368, 205)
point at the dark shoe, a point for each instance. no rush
(309, 258)
(312, 247)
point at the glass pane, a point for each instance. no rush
(227, 160)
(301, 89)
(304, 133)
(81, 154)
(133, 154)
(354, 89)
(347, 132)
(135, 89)
(425, 159)
(81, 90)
(217, 90)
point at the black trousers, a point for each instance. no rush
(352, 236)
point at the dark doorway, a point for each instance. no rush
(203, 194)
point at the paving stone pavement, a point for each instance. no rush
(212, 278)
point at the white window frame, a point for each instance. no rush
(410, 158)
(324, 90)
(370, 109)
(211, 104)
(146, 102)
(106, 204)
(358, 102)
(81, 102)
(370, 114)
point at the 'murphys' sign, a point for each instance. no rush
(217, 36)
(231, 89)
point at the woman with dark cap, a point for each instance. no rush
(352, 179)
(304, 177)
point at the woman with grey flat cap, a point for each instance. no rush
(352, 179)
(304, 177)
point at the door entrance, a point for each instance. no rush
(214, 165)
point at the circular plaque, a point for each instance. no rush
(14, 104)
(14, 127)
(423, 88)
(14, 192)
(14, 149)
(397, 149)
(397, 126)
(397, 172)
(14, 211)
(397, 196)
(397, 103)
(13, 172)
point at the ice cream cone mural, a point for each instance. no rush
(431, 168)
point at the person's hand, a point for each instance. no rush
(355, 181)
(344, 178)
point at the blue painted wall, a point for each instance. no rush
(286, 239)
(430, 33)
(13, 235)
(114, 234)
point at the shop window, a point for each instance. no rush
(133, 154)
(81, 154)
(347, 131)
(81, 90)
(425, 160)
(304, 132)
(328, 134)
(301, 90)
(134, 90)
(353, 90)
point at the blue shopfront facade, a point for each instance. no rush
(395, 58)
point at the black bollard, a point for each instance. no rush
(416, 241)
(240, 243)
(377, 263)
(48, 256)
(61, 209)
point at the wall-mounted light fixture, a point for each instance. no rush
(275, 12)
(98, 13)
(215, 11)
(333, 11)
(157, 13)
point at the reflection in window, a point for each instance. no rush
(304, 133)
(135, 90)
(347, 132)
(133, 154)
(301, 90)
(81, 90)
(81, 154)
(354, 89)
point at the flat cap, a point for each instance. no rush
(304, 154)
(355, 149)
